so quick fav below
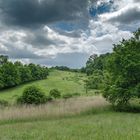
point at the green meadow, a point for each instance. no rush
(95, 126)
(79, 118)
(65, 82)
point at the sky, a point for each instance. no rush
(64, 32)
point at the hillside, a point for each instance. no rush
(81, 118)
(69, 69)
(66, 82)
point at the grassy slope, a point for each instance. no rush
(66, 82)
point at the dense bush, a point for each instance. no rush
(32, 95)
(55, 93)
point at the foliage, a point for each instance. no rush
(125, 69)
(55, 93)
(65, 68)
(83, 70)
(32, 95)
(96, 62)
(3, 59)
(120, 71)
(95, 80)
(12, 74)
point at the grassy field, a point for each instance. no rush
(106, 126)
(84, 118)
(79, 118)
(66, 82)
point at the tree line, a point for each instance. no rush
(13, 74)
(65, 68)
(117, 73)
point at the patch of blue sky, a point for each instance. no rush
(64, 26)
(104, 7)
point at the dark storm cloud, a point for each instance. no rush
(35, 12)
(127, 16)
(38, 40)
(137, 1)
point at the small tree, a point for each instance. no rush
(32, 95)
(55, 93)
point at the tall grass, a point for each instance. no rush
(55, 109)
(19, 122)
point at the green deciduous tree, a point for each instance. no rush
(124, 66)
(120, 71)
(12, 74)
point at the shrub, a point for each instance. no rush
(55, 93)
(32, 95)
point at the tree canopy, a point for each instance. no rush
(12, 74)
(119, 71)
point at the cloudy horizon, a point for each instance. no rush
(62, 32)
